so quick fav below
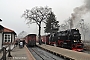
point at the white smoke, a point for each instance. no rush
(78, 12)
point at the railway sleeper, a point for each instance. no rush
(62, 56)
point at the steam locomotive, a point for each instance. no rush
(70, 39)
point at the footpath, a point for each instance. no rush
(21, 54)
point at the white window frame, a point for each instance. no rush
(7, 37)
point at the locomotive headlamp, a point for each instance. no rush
(75, 41)
(81, 41)
(76, 29)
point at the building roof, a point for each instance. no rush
(8, 30)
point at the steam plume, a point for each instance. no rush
(80, 11)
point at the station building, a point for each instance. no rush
(7, 37)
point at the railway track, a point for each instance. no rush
(40, 54)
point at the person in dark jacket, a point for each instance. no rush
(16, 43)
(23, 43)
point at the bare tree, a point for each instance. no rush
(65, 25)
(84, 29)
(68, 24)
(37, 15)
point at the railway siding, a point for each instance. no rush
(73, 55)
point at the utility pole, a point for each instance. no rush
(83, 29)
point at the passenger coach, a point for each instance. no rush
(30, 40)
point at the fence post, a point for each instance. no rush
(4, 53)
(9, 51)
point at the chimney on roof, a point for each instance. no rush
(0, 20)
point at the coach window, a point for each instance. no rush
(7, 37)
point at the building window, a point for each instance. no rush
(7, 37)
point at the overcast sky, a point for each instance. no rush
(11, 11)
